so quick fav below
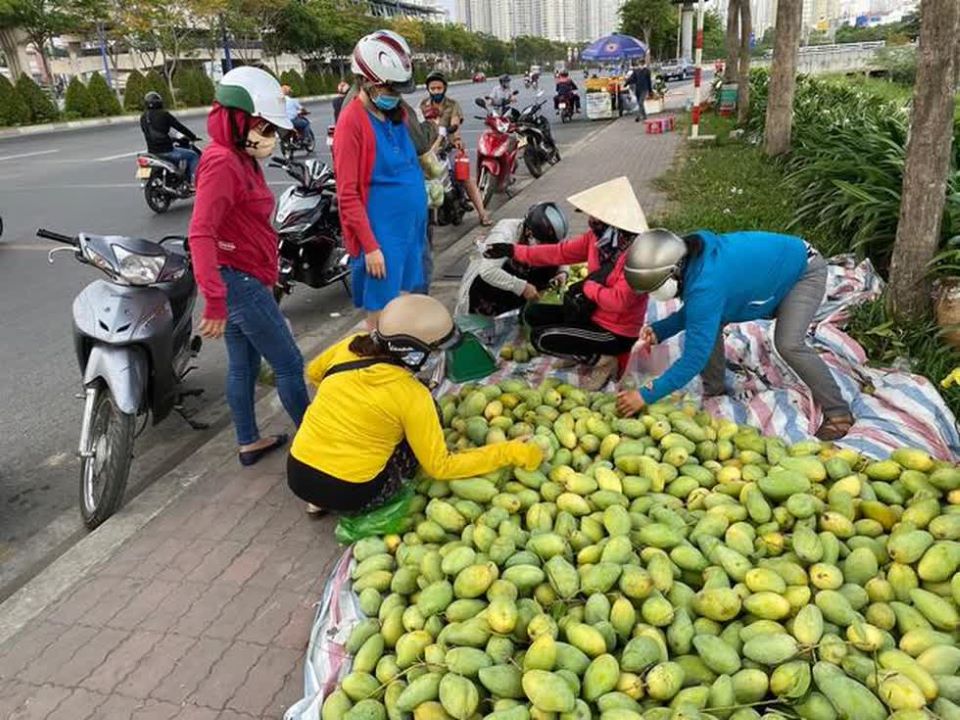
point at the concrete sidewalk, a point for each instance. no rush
(195, 601)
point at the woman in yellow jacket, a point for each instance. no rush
(372, 421)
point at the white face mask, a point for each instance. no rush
(667, 291)
(260, 146)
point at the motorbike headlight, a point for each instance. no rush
(138, 269)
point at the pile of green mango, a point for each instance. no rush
(669, 567)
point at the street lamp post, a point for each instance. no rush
(103, 55)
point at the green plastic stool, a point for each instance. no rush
(470, 360)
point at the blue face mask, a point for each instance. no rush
(438, 97)
(386, 102)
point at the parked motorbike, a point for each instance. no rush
(534, 127)
(497, 151)
(133, 336)
(162, 180)
(310, 241)
(294, 141)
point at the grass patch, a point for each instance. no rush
(880, 88)
(728, 185)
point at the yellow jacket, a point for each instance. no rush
(359, 417)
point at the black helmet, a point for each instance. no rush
(437, 76)
(546, 223)
(153, 100)
(505, 80)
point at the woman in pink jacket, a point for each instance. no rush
(600, 317)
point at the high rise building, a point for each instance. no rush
(563, 20)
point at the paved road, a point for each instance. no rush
(84, 181)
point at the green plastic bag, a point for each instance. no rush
(391, 517)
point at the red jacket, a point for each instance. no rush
(619, 309)
(354, 155)
(231, 224)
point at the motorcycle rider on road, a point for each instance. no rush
(297, 114)
(566, 89)
(449, 117)
(502, 96)
(156, 123)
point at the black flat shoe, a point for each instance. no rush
(252, 457)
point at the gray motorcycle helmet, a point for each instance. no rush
(653, 258)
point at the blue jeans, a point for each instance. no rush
(256, 328)
(303, 125)
(427, 263)
(188, 156)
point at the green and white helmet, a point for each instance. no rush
(256, 92)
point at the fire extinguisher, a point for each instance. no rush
(461, 167)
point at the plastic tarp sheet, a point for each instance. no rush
(893, 408)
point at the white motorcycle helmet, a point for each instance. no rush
(383, 58)
(257, 93)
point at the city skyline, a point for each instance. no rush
(561, 20)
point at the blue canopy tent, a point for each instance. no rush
(614, 48)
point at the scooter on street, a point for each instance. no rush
(164, 181)
(540, 147)
(456, 202)
(294, 141)
(497, 151)
(310, 240)
(565, 108)
(134, 341)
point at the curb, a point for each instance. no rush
(45, 588)
(122, 120)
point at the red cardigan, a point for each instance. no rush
(619, 309)
(354, 154)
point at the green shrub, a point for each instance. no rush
(317, 83)
(295, 81)
(187, 86)
(13, 110)
(900, 63)
(41, 108)
(846, 164)
(78, 100)
(155, 81)
(205, 88)
(103, 97)
(134, 91)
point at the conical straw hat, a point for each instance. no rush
(615, 203)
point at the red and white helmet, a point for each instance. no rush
(383, 58)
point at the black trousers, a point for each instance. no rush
(348, 498)
(586, 341)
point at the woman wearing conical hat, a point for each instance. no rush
(601, 316)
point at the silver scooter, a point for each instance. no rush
(133, 336)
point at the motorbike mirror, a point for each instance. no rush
(480, 103)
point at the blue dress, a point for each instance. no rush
(397, 209)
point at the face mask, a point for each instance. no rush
(438, 97)
(667, 291)
(386, 102)
(259, 145)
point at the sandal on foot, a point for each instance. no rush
(486, 221)
(252, 457)
(834, 428)
(315, 511)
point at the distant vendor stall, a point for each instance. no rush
(604, 96)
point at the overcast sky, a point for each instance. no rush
(447, 5)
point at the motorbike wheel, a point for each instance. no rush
(487, 184)
(553, 154)
(310, 145)
(157, 198)
(103, 477)
(279, 294)
(533, 159)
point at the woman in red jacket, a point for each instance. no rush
(601, 316)
(234, 251)
(380, 186)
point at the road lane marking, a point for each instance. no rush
(29, 154)
(118, 157)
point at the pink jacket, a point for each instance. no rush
(619, 309)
